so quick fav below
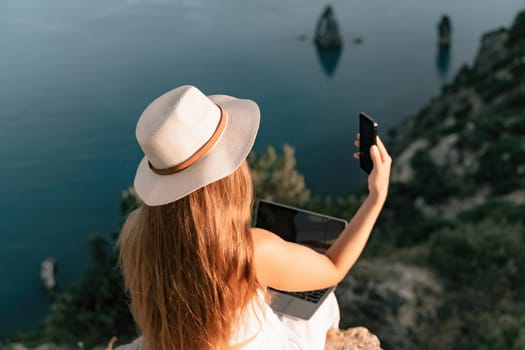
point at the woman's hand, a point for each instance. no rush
(380, 176)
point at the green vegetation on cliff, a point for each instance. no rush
(459, 177)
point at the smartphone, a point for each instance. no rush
(368, 132)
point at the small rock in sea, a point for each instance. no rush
(47, 273)
(302, 37)
(444, 31)
(327, 34)
(358, 40)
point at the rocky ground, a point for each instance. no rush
(357, 338)
(396, 301)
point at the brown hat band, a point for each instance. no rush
(201, 152)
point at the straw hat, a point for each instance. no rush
(191, 140)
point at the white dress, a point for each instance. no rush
(261, 329)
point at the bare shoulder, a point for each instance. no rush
(262, 236)
(265, 245)
(265, 242)
(289, 266)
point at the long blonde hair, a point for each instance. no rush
(188, 265)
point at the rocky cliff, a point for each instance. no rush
(472, 134)
(444, 263)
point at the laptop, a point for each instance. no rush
(312, 229)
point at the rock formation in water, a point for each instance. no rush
(47, 273)
(328, 41)
(327, 35)
(444, 31)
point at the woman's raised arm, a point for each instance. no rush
(290, 266)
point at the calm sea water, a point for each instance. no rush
(75, 75)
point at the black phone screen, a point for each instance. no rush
(368, 133)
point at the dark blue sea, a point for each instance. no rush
(75, 76)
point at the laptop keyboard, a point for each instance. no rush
(312, 296)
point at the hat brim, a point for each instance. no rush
(228, 153)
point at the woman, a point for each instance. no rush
(195, 269)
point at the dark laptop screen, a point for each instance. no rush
(297, 225)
